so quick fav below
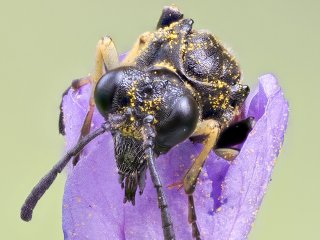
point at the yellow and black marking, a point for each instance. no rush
(200, 60)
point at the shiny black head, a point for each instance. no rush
(157, 94)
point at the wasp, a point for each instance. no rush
(176, 83)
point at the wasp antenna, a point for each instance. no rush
(149, 136)
(43, 185)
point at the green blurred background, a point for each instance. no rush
(46, 44)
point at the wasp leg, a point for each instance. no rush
(106, 59)
(210, 129)
(231, 136)
(228, 154)
(192, 218)
(235, 133)
(62, 127)
(169, 15)
(76, 84)
(149, 136)
(140, 44)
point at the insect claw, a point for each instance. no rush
(177, 185)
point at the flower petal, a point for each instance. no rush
(88, 209)
(93, 207)
(247, 178)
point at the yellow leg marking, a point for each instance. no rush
(106, 59)
(138, 46)
(228, 154)
(211, 129)
(99, 65)
(109, 53)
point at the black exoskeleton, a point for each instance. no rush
(202, 62)
(180, 76)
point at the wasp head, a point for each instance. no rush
(158, 94)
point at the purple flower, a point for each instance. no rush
(227, 197)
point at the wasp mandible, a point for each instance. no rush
(175, 83)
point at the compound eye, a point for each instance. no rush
(179, 125)
(105, 91)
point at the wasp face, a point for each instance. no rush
(157, 92)
(138, 94)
